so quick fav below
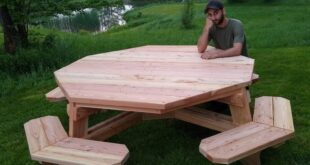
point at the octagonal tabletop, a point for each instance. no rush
(152, 79)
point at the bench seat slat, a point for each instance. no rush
(61, 155)
(282, 113)
(48, 142)
(93, 146)
(53, 129)
(263, 110)
(232, 135)
(35, 135)
(55, 95)
(272, 125)
(249, 145)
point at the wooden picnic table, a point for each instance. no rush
(154, 82)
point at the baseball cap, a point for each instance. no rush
(214, 4)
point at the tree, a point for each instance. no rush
(16, 15)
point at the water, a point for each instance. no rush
(92, 20)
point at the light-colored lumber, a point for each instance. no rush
(229, 136)
(235, 100)
(55, 95)
(241, 114)
(253, 159)
(255, 78)
(272, 125)
(263, 112)
(282, 113)
(162, 79)
(113, 125)
(36, 136)
(49, 143)
(77, 125)
(205, 118)
(248, 145)
(148, 116)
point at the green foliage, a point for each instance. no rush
(49, 41)
(188, 14)
(281, 52)
(236, 1)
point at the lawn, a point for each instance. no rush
(278, 38)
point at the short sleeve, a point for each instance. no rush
(238, 32)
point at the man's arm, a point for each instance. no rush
(204, 38)
(218, 53)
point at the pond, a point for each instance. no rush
(92, 20)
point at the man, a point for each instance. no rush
(227, 34)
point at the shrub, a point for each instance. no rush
(49, 41)
(188, 14)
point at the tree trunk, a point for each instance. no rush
(23, 34)
(9, 30)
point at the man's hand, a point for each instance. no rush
(211, 54)
(208, 25)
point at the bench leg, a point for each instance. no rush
(252, 159)
(241, 114)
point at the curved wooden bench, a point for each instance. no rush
(272, 124)
(49, 143)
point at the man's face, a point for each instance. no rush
(216, 16)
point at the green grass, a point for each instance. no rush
(279, 41)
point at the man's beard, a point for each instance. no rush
(220, 21)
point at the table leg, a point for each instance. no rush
(78, 122)
(252, 159)
(241, 114)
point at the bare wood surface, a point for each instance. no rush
(49, 143)
(272, 126)
(55, 95)
(255, 78)
(149, 116)
(249, 142)
(263, 111)
(77, 126)
(282, 113)
(151, 79)
(241, 115)
(114, 125)
(252, 159)
(205, 118)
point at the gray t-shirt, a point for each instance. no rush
(224, 38)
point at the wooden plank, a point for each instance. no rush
(77, 128)
(248, 145)
(60, 155)
(229, 136)
(205, 118)
(139, 81)
(235, 100)
(148, 116)
(36, 136)
(105, 148)
(169, 108)
(255, 78)
(55, 95)
(253, 159)
(113, 126)
(263, 111)
(242, 114)
(282, 113)
(53, 129)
